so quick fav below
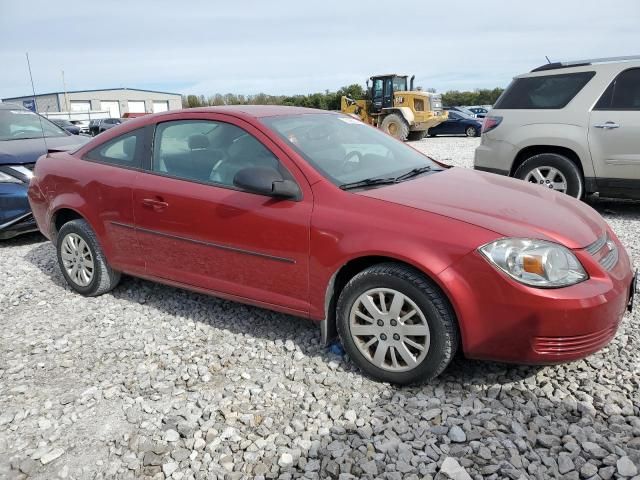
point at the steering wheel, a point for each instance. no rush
(17, 133)
(351, 162)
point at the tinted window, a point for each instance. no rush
(124, 150)
(543, 92)
(623, 93)
(207, 151)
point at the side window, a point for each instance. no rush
(543, 91)
(377, 87)
(123, 150)
(208, 151)
(623, 93)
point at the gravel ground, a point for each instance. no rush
(152, 381)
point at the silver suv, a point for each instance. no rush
(572, 127)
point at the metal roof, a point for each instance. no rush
(88, 91)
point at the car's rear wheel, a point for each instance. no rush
(396, 126)
(471, 132)
(552, 171)
(82, 260)
(396, 324)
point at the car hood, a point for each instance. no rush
(28, 150)
(509, 207)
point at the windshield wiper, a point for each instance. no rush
(413, 172)
(367, 182)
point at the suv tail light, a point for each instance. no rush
(490, 123)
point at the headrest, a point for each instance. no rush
(198, 141)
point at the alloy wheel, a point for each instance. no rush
(77, 259)
(549, 177)
(389, 329)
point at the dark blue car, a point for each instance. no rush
(458, 123)
(21, 143)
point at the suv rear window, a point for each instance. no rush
(543, 92)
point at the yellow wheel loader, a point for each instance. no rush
(402, 112)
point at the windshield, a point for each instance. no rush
(23, 124)
(345, 150)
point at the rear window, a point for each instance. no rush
(543, 92)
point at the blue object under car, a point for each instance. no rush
(24, 136)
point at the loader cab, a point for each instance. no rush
(383, 88)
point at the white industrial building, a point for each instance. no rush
(116, 101)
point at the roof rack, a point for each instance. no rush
(581, 63)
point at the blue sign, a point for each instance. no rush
(30, 104)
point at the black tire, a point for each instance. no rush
(432, 135)
(471, 132)
(571, 172)
(438, 313)
(416, 136)
(104, 278)
(396, 126)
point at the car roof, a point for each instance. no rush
(559, 69)
(255, 111)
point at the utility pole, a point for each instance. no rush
(66, 97)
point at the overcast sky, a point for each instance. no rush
(299, 46)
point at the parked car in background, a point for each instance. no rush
(83, 125)
(480, 112)
(463, 110)
(103, 124)
(21, 143)
(319, 215)
(67, 125)
(458, 123)
(573, 127)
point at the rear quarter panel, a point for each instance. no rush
(100, 193)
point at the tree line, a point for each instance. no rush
(331, 100)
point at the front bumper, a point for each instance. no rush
(503, 320)
(15, 213)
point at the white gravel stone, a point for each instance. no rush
(626, 467)
(51, 455)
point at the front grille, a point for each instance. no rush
(580, 344)
(605, 251)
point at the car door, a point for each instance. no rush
(614, 134)
(451, 125)
(196, 228)
(111, 169)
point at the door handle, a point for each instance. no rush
(607, 125)
(157, 205)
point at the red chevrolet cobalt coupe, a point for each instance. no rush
(318, 215)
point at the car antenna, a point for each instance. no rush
(35, 105)
(548, 61)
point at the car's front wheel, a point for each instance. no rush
(552, 171)
(396, 324)
(82, 260)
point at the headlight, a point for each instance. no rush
(535, 262)
(6, 178)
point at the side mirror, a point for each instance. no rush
(266, 181)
